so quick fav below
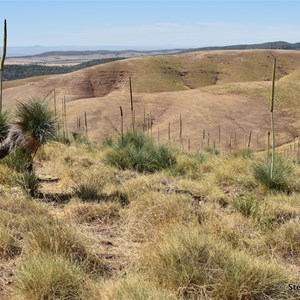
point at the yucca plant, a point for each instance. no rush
(35, 125)
(37, 121)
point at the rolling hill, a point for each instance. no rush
(229, 89)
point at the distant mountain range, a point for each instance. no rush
(38, 50)
(269, 45)
(43, 51)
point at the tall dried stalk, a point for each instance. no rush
(131, 105)
(85, 124)
(269, 133)
(54, 103)
(272, 120)
(122, 123)
(144, 123)
(219, 130)
(2, 62)
(249, 140)
(180, 133)
(150, 124)
(208, 139)
(64, 116)
(169, 133)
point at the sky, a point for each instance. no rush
(149, 24)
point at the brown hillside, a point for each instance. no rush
(166, 86)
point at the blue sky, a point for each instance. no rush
(150, 24)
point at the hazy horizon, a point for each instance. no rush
(149, 24)
(38, 49)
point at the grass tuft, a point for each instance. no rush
(57, 239)
(48, 276)
(247, 205)
(199, 266)
(87, 191)
(281, 174)
(139, 152)
(9, 244)
(212, 150)
(244, 153)
(133, 286)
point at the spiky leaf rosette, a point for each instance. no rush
(37, 122)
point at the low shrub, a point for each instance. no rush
(139, 152)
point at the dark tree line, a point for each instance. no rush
(12, 72)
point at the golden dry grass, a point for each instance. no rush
(202, 229)
(185, 234)
(227, 83)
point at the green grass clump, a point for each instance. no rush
(20, 161)
(90, 184)
(87, 191)
(29, 183)
(247, 205)
(187, 165)
(244, 153)
(212, 150)
(281, 174)
(199, 156)
(48, 276)
(198, 266)
(139, 152)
